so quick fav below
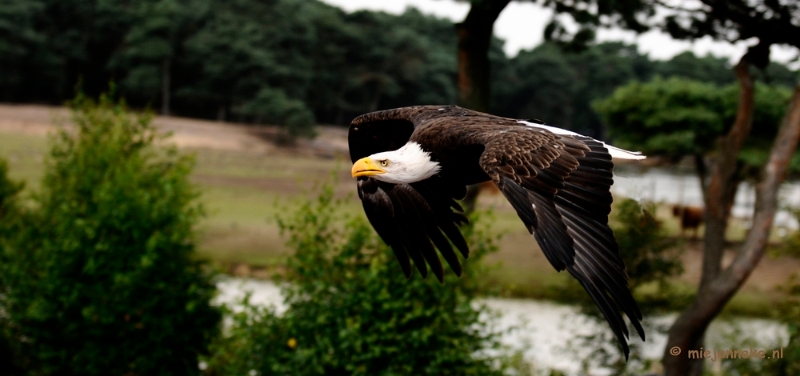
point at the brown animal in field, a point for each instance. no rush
(691, 217)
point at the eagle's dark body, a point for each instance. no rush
(558, 184)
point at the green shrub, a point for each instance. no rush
(351, 311)
(273, 106)
(788, 312)
(101, 277)
(9, 221)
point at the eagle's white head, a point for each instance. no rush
(408, 164)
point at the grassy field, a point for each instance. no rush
(246, 182)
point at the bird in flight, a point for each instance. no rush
(413, 163)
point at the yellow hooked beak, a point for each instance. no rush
(366, 167)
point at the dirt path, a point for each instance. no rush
(188, 133)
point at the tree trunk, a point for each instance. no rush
(474, 39)
(689, 329)
(165, 85)
(718, 286)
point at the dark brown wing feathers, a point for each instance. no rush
(558, 185)
(408, 217)
(565, 187)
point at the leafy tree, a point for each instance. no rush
(226, 59)
(338, 65)
(411, 64)
(673, 117)
(18, 37)
(79, 37)
(351, 311)
(678, 117)
(539, 84)
(274, 107)
(277, 48)
(154, 40)
(558, 87)
(601, 69)
(225, 66)
(709, 69)
(101, 277)
(717, 70)
(770, 23)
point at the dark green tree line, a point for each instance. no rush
(279, 61)
(296, 63)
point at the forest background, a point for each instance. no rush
(298, 63)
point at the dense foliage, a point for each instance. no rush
(351, 311)
(10, 213)
(559, 88)
(677, 117)
(298, 62)
(99, 276)
(228, 59)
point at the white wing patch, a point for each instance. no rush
(614, 151)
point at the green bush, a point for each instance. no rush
(100, 276)
(351, 311)
(9, 220)
(788, 312)
(273, 106)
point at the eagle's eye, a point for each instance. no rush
(384, 163)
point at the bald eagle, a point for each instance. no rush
(413, 163)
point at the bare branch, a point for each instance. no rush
(719, 195)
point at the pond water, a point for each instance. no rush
(542, 330)
(673, 186)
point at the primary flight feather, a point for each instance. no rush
(413, 163)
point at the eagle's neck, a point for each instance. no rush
(409, 164)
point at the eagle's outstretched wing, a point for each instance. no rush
(559, 186)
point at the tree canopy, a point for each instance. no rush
(297, 63)
(677, 116)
